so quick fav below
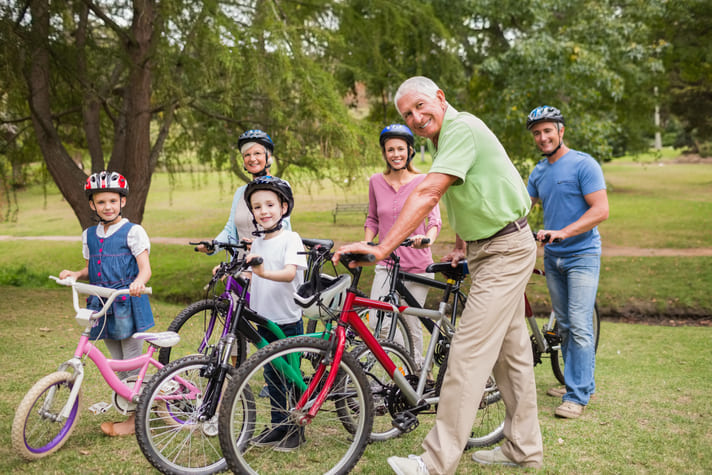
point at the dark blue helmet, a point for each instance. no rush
(258, 136)
(398, 131)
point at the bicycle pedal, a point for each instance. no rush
(99, 408)
(405, 422)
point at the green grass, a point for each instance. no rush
(651, 413)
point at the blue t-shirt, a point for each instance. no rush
(561, 187)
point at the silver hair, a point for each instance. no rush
(418, 84)
(248, 145)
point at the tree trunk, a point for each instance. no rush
(68, 177)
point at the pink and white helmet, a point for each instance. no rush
(106, 181)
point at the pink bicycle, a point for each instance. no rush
(49, 411)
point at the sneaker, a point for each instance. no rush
(558, 391)
(569, 410)
(264, 392)
(493, 457)
(292, 441)
(268, 437)
(413, 465)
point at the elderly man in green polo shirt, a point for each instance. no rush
(487, 204)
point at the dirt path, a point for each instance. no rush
(444, 248)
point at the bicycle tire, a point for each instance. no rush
(169, 433)
(204, 319)
(383, 428)
(557, 357)
(35, 431)
(488, 427)
(326, 444)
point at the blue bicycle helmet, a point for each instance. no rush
(258, 136)
(398, 131)
(544, 114)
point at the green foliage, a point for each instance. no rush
(688, 64)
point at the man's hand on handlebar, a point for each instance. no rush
(360, 248)
(547, 236)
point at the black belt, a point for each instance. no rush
(508, 229)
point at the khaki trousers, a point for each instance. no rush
(491, 338)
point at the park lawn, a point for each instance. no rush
(651, 412)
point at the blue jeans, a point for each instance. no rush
(573, 283)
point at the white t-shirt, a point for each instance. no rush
(275, 300)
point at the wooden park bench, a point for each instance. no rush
(350, 208)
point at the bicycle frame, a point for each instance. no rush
(349, 318)
(107, 367)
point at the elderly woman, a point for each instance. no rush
(256, 148)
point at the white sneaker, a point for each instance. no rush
(413, 465)
(493, 457)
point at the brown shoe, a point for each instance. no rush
(569, 410)
(557, 391)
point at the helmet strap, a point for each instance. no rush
(260, 232)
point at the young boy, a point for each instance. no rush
(116, 253)
(274, 282)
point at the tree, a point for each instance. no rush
(143, 81)
(685, 29)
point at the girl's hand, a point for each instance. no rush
(136, 288)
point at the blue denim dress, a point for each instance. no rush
(112, 265)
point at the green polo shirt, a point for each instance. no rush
(489, 192)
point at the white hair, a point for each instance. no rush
(248, 145)
(419, 84)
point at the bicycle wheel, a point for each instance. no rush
(168, 429)
(488, 428)
(38, 430)
(379, 382)
(327, 443)
(200, 325)
(557, 357)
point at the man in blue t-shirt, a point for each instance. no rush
(572, 191)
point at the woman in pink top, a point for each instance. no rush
(387, 193)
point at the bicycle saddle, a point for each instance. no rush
(445, 268)
(162, 339)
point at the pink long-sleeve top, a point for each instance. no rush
(384, 206)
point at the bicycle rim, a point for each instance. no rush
(329, 443)
(37, 429)
(169, 431)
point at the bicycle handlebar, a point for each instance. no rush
(88, 289)
(212, 245)
(546, 239)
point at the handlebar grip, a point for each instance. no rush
(148, 291)
(425, 241)
(356, 257)
(255, 261)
